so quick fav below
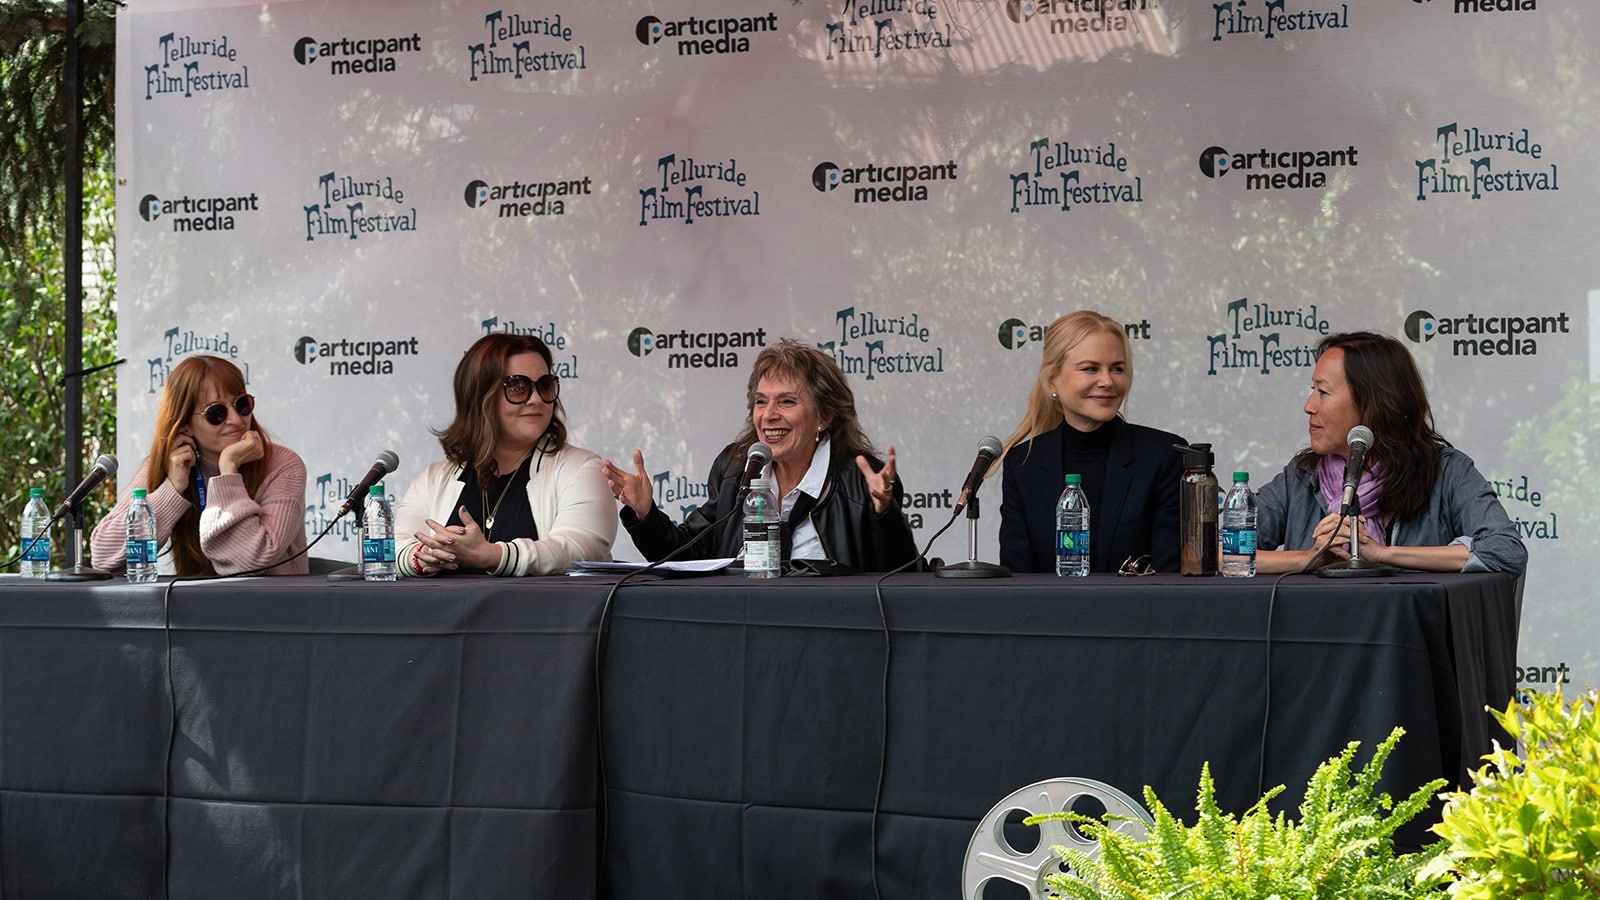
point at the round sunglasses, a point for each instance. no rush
(518, 389)
(217, 413)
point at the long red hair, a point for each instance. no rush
(185, 389)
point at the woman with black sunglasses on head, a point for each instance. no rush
(225, 497)
(511, 496)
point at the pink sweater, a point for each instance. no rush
(237, 533)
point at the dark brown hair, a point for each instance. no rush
(474, 434)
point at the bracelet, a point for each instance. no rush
(416, 560)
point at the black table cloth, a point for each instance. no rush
(438, 738)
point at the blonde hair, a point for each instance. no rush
(1064, 334)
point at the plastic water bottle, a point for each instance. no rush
(1239, 529)
(141, 545)
(763, 535)
(36, 521)
(377, 538)
(1072, 529)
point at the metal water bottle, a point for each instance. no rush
(1198, 496)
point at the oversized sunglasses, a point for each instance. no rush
(519, 389)
(217, 413)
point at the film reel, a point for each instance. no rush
(991, 854)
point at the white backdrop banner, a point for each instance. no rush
(342, 196)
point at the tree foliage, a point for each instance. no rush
(32, 267)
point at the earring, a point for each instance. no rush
(1053, 396)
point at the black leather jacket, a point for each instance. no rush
(852, 533)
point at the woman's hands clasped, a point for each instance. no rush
(446, 548)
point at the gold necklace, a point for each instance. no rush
(488, 519)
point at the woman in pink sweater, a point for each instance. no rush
(226, 498)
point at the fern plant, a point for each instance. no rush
(1341, 848)
(1530, 826)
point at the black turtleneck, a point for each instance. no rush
(1086, 453)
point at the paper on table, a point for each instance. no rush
(588, 566)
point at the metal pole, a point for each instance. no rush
(72, 252)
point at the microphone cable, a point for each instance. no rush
(1266, 710)
(883, 737)
(172, 696)
(601, 630)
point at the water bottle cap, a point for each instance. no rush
(1196, 456)
(1074, 479)
(138, 493)
(35, 493)
(375, 491)
(1241, 476)
(760, 484)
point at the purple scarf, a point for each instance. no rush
(1330, 473)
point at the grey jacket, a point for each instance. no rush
(1462, 509)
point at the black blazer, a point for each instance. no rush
(1139, 510)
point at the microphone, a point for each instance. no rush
(756, 460)
(988, 452)
(1360, 441)
(385, 463)
(104, 467)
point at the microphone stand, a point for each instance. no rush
(1355, 566)
(356, 572)
(972, 568)
(76, 571)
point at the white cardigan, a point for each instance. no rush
(571, 503)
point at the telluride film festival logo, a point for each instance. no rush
(690, 191)
(695, 36)
(1063, 175)
(1471, 161)
(872, 344)
(521, 199)
(876, 27)
(178, 342)
(351, 208)
(191, 64)
(192, 214)
(873, 183)
(1079, 16)
(1276, 169)
(1262, 339)
(362, 56)
(509, 51)
(1233, 18)
(564, 362)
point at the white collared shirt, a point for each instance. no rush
(806, 543)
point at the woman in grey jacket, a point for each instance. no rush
(1423, 504)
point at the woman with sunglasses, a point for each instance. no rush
(226, 498)
(511, 496)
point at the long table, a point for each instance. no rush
(438, 738)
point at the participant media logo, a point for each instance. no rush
(362, 56)
(1486, 335)
(1276, 170)
(563, 364)
(180, 341)
(873, 345)
(516, 46)
(877, 27)
(524, 199)
(1476, 6)
(873, 183)
(353, 208)
(697, 36)
(1015, 334)
(1237, 18)
(190, 64)
(346, 357)
(188, 214)
(689, 191)
(1263, 339)
(1063, 176)
(695, 349)
(1472, 161)
(1079, 17)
